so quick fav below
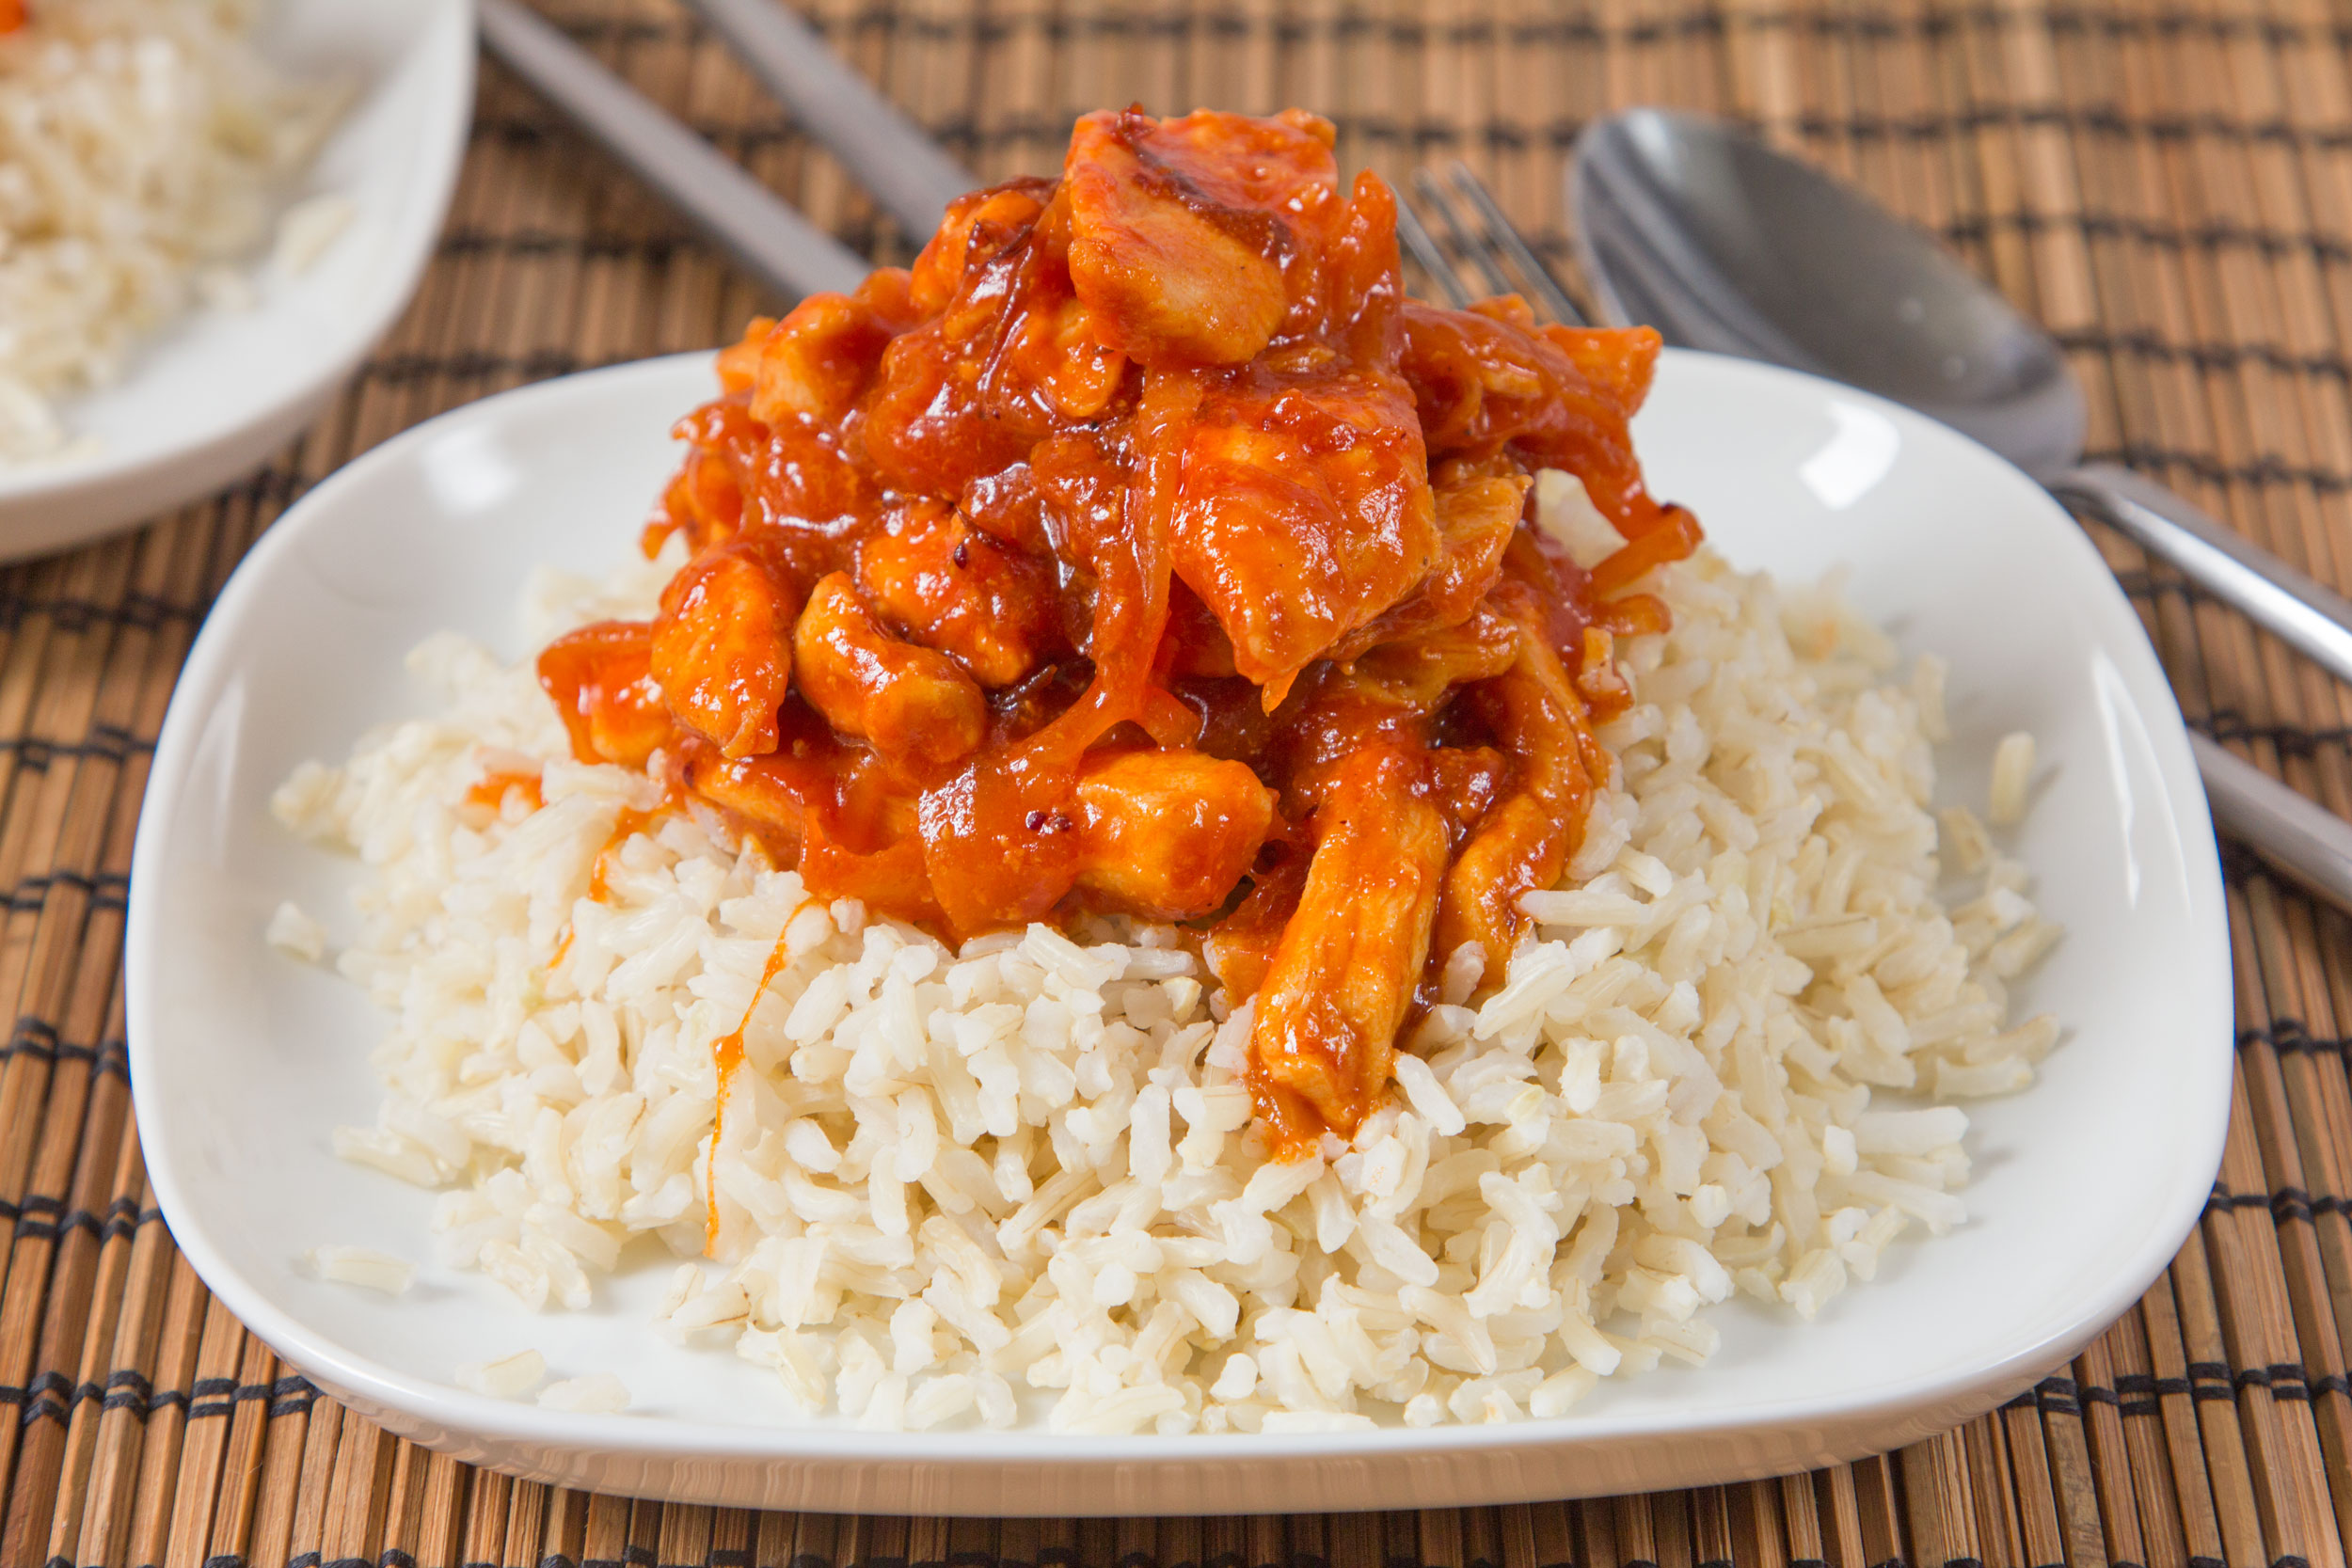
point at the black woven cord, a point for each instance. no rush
(52, 1397)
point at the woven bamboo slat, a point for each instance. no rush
(2167, 182)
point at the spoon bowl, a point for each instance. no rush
(1685, 223)
(1694, 227)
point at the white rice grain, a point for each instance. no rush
(308, 230)
(2012, 776)
(296, 934)
(364, 1267)
(598, 1393)
(508, 1377)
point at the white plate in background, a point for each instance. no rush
(216, 391)
(242, 1062)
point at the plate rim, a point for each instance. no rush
(443, 1415)
(445, 34)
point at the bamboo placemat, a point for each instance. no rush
(2167, 182)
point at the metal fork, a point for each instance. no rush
(1485, 238)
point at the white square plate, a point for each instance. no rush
(217, 392)
(2086, 1184)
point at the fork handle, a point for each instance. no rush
(2306, 614)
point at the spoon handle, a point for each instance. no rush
(2306, 614)
(910, 176)
(779, 246)
(2301, 839)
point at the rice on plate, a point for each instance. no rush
(1022, 1177)
(143, 147)
(1169, 839)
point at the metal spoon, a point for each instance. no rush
(772, 240)
(1689, 225)
(910, 176)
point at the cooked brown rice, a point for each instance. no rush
(948, 1183)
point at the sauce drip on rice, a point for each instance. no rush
(1142, 550)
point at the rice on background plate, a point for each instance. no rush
(956, 1187)
(143, 146)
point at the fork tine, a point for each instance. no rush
(1498, 281)
(1417, 240)
(1504, 235)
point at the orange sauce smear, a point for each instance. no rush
(726, 1055)
(491, 789)
(625, 826)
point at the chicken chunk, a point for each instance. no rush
(990, 606)
(1167, 834)
(816, 361)
(1476, 517)
(1486, 381)
(1171, 270)
(1385, 697)
(979, 228)
(915, 705)
(1303, 510)
(928, 429)
(722, 647)
(600, 679)
(1525, 840)
(1342, 975)
(770, 795)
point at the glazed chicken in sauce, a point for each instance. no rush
(1143, 549)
